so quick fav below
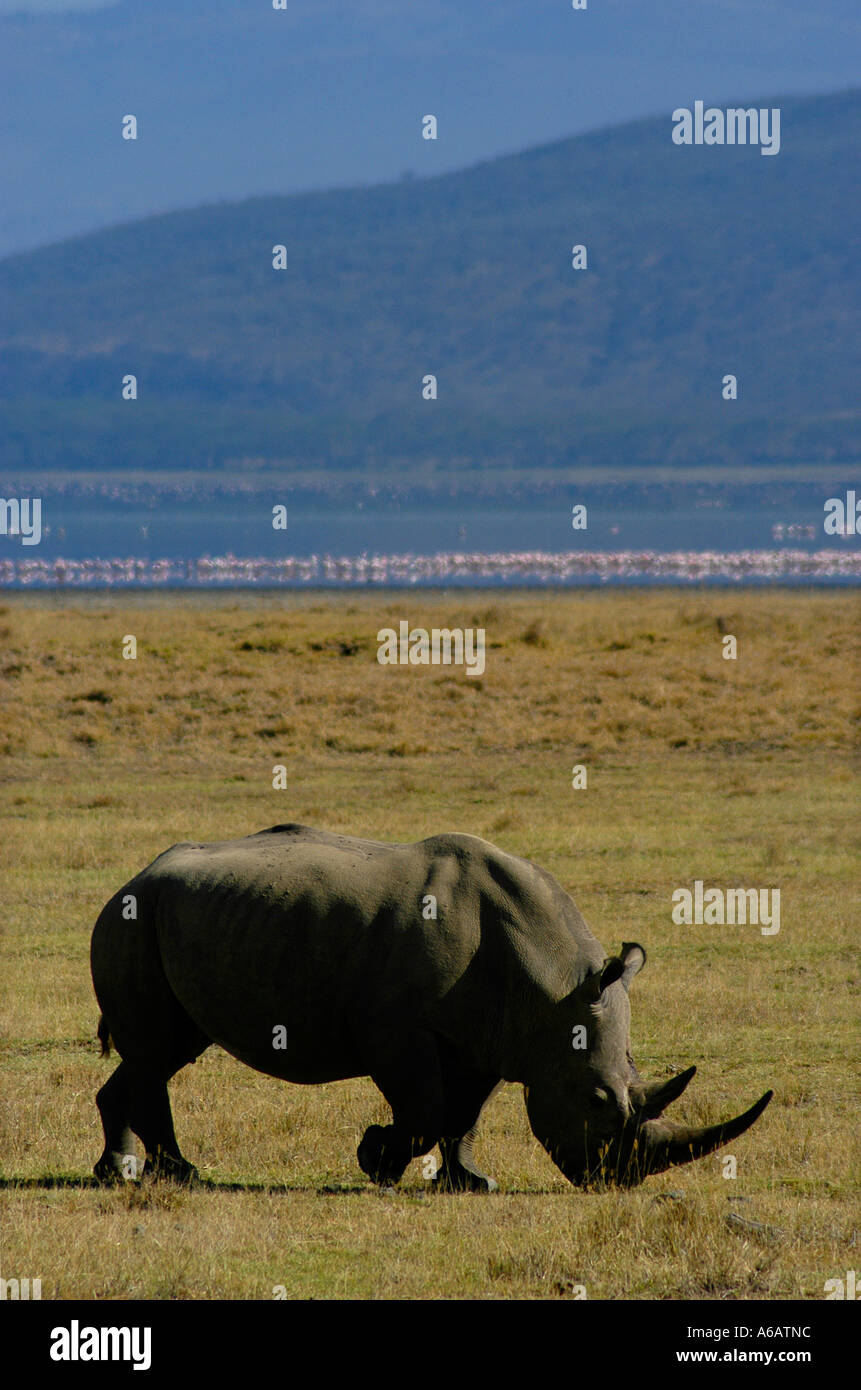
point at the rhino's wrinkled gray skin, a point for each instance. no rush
(332, 939)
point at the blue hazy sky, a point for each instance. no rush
(234, 98)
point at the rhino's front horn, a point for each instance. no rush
(665, 1144)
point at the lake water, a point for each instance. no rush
(228, 542)
(74, 528)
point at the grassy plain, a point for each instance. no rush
(741, 773)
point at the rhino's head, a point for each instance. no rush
(598, 1120)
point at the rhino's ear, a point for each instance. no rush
(612, 970)
(623, 967)
(633, 959)
(599, 980)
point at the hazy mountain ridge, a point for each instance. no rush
(702, 261)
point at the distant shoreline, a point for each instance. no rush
(444, 488)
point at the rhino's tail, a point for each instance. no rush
(103, 1033)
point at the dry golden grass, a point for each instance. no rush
(734, 772)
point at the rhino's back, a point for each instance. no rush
(325, 935)
(333, 878)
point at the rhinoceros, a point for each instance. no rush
(440, 969)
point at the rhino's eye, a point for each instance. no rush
(599, 1096)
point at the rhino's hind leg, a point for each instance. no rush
(136, 1100)
(113, 1106)
(152, 1122)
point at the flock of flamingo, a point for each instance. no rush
(514, 567)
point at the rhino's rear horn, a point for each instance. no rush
(667, 1144)
(655, 1096)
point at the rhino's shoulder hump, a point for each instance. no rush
(456, 842)
(510, 874)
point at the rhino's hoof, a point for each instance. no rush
(107, 1173)
(168, 1168)
(462, 1180)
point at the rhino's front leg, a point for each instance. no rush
(409, 1074)
(466, 1097)
(458, 1171)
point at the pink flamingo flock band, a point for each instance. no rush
(404, 570)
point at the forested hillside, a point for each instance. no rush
(702, 261)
